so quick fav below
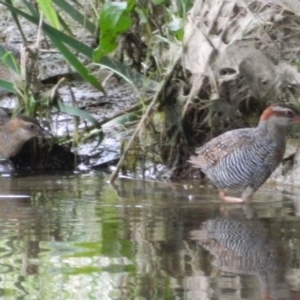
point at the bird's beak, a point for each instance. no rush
(44, 129)
(296, 119)
(46, 133)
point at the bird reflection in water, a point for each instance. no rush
(244, 247)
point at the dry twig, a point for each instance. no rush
(149, 109)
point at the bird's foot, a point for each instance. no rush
(229, 199)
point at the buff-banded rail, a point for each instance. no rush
(15, 131)
(243, 159)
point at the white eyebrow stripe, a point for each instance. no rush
(282, 109)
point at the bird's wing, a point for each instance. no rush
(221, 146)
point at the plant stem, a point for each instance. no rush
(158, 94)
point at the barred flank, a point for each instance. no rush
(247, 166)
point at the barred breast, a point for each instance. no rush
(240, 158)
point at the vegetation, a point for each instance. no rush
(236, 58)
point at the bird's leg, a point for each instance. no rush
(229, 199)
(246, 195)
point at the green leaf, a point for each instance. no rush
(16, 20)
(75, 62)
(76, 15)
(115, 19)
(64, 25)
(122, 120)
(9, 59)
(75, 44)
(7, 86)
(31, 8)
(132, 77)
(47, 8)
(74, 111)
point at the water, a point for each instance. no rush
(76, 237)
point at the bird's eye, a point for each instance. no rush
(31, 127)
(289, 113)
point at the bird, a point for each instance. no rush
(243, 159)
(15, 131)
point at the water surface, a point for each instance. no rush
(76, 237)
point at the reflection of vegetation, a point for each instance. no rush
(76, 238)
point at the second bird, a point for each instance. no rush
(243, 159)
(15, 131)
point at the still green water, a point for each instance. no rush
(77, 237)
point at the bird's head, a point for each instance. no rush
(24, 128)
(15, 132)
(280, 115)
